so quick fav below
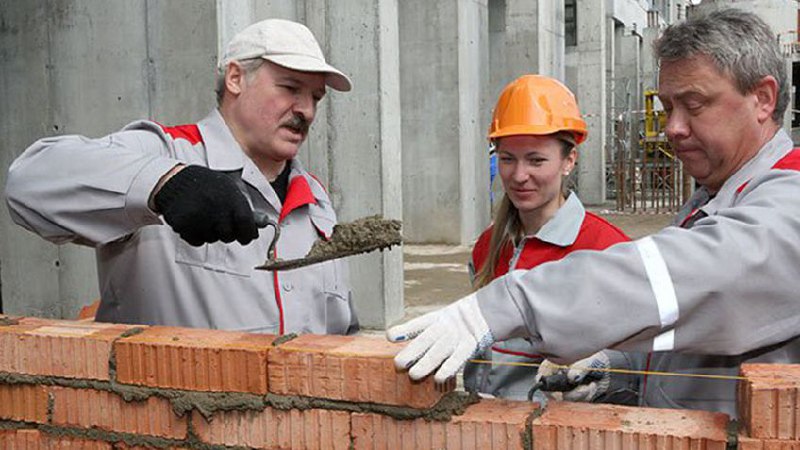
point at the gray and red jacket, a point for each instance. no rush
(704, 297)
(571, 229)
(95, 192)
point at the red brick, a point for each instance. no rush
(566, 425)
(195, 359)
(768, 401)
(35, 440)
(746, 443)
(23, 402)
(353, 368)
(277, 429)
(58, 348)
(88, 312)
(489, 425)
(88, 408)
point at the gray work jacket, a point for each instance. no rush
(727, 286)
(95, 192)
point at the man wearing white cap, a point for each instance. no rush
(169, 210)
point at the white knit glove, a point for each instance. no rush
(447, 337)
(588, 387)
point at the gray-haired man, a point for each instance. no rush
(720, 286)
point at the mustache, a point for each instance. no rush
(298, 123)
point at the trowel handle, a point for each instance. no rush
(261, 217)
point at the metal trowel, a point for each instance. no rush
(360, 236)
(351, 238)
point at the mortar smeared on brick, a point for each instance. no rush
(133, 440)
(127, 392)
(208, 403)
(283, 339)
(112, 357)
(451, 404)
(7, 425)
(111, 437)
(733, 434)
(8, 321)
(527, 435)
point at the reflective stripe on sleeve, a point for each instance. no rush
(664, 341)
(663, 290)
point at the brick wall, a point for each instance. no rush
(86, 385)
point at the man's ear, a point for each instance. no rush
(766, 92)
(234, 78)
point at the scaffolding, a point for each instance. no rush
(644, 174)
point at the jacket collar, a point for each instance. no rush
(563, 228)
(222, 150)
(224, 154)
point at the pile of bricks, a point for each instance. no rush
(84, 385)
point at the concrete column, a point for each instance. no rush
(89, 67)
(445, 162)
(628, 70)
(591, 92)
(361, 150)
(551, 39)
(649, 63)
(28, 266)
(473, 118)
(524, 37)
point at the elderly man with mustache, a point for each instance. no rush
(169, 209)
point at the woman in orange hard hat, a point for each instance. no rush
(535, 131)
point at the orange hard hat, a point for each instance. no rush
(535, 104)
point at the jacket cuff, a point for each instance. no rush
(136, 200)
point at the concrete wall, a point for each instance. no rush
(591, 93)
(89, 67)
(358, 139)
(445, 163)
(631, 13)
(627, 70)
(605, 72)
(524, 37)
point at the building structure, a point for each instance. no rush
(408, 142)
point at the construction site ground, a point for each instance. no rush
(436, 275)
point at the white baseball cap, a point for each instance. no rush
(287, 44)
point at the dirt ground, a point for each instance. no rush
(437, 274)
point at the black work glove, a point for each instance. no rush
(202, 206)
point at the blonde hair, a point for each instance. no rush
(507, 226)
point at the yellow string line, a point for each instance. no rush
(624, 371)
(621, 371)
